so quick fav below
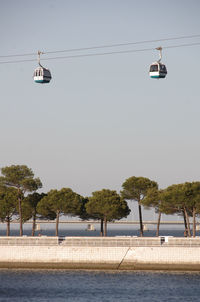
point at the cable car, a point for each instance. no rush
(41, 75)
(157, 69)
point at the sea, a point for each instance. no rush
(24, 285)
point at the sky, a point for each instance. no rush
(101, 119)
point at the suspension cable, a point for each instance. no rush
(100, 54)
(103, 46)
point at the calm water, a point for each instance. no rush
(81, 230)
(87, 286)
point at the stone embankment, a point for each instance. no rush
(122, 253)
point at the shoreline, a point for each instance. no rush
(59, 266)
(101, 253)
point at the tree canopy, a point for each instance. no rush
(135, 188)
(64, 201)
(18, 198)
(22, 178)
(107, 205)
(8, 205)
(29, 208)
(183, 199)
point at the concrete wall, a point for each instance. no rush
(100, 253)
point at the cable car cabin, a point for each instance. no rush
(42, 75)
(157, 70)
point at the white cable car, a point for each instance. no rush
(157, 69)
(41, 75)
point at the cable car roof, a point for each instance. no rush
(157, 63)
(41, 68)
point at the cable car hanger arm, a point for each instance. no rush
(160, 52)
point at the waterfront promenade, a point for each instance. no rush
(119, 253)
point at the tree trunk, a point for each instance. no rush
(34, 224)
(105, 226)
(188, 222)
(194, 222)
(140, 217)
(20, 213)
(101, 231)
(8, 226)
(185, 223)
(158, 224)
(57, 221)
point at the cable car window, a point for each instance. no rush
(163, 68)
(153, 68)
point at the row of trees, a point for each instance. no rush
(181, 199)
(18, 198)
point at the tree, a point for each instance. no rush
(8, 205)
(173, 200)
(153, 199)
(22, 178)
(183, 198)
(192, 200)
(84, 215)
(135, 188)
(58, 203)
(107, 205)
(29, 208)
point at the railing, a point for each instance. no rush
(118, 241)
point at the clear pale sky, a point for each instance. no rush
(101, 119)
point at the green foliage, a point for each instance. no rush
(26, 211)
(60, 202)
(107, 203)
(181, 196)
(192, 195)
(152, 198)
(29, 205)
(159, 199)
(172, 199)
(45, 211)
(16, 174)
(82, 213)
(17, 180)
(64, 201)
(8, 203)
(21, 177)
(33, 199)
(135, 188)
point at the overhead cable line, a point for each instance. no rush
(121, 44)
(100, 54)
(103, 46)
